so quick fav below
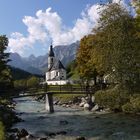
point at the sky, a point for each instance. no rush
(32, 25)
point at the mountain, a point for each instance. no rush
(18, 74)
(38, 65)
(66, 53)
(17, 61)
(22, 63)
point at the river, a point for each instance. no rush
(75, 122)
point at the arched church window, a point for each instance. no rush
(57, 73)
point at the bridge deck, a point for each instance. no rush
(50, 92)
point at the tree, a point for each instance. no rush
(114, 47)
(5, 76)
(117, 37)
(86, 69)
(33, 82)
(20, 84)
(71, 69)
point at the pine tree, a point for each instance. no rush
(5, 76)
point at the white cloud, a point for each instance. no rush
(48, 25)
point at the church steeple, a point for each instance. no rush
(51, 53)
(51, 57)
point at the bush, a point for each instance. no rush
(136, 104)
(127, 108)
(112, 98)
(133, 106)
(2, 131)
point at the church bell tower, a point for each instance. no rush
(50, 57)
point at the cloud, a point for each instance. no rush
(48, 25)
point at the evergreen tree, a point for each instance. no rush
(5, 76)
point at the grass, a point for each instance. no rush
(67, 97)
(2, 131)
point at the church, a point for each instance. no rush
(56, 73)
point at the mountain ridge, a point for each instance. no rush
(38, 65)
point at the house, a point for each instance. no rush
(56, 73)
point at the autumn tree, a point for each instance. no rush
(86, 70)
(114, 46)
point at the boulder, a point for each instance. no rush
(63, 105)
(63, 122)
(51, 134)
(83, 99)
(43, 139)
(70, 102)
(95, 108)
(30, 137)
(76, 100)
(67, 105)
(86, 106)
(22, 133)
(22, 138)
(12, 137)
(93, 99)
(82, 104)
(61, 133)
(59, 103)
(14, 130)
(16, 119)
(56, 102)
(80, 138)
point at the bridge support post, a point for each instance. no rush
(49, 103)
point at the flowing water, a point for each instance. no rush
(75, 122)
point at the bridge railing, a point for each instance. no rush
(69, 89)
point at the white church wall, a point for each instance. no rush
(47, 76)
(53, 74)
(57, 82)
(62, 74)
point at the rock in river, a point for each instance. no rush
(80, 138)
(22, 133)
(63, 122)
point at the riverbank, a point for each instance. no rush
(72, 124)
(79, 101)
(7, 117)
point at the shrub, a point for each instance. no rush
(133, 106)
(112, 98)
(136, 104)
(127, 108)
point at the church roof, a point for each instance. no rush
(51, 53)
(56, 66)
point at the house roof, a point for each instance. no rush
(51, 53)
(56, 66)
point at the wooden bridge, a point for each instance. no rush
(49, 96)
